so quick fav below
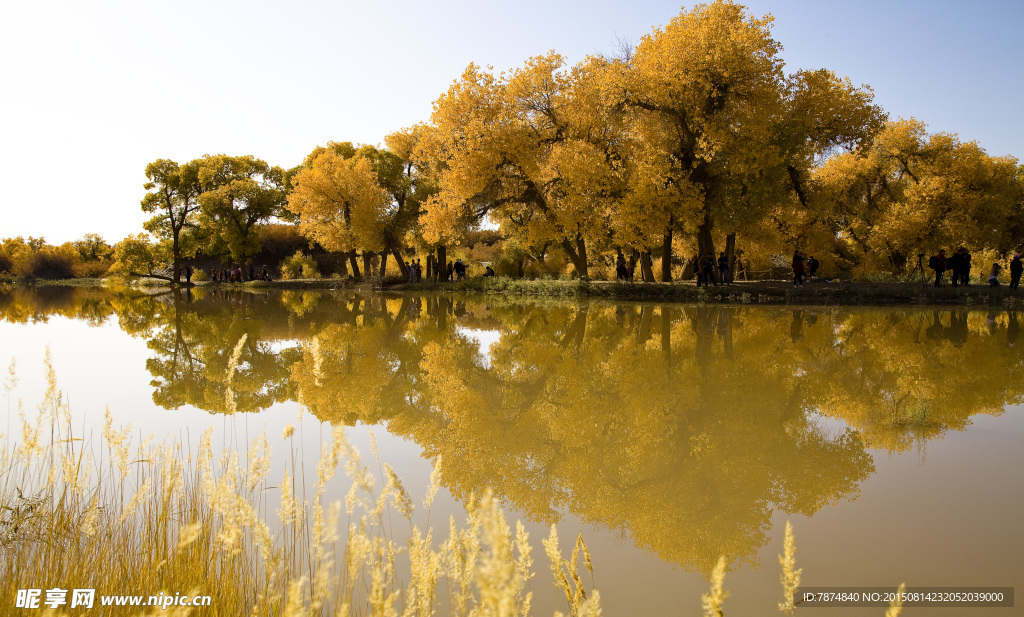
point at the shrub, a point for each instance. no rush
(46, 263)
(290, 267)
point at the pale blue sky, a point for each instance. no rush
(92, 91)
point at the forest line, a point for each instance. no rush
(694, 141)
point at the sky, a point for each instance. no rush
(91, 91)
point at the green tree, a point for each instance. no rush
(173, 194)
(137, 256)
(238, 194)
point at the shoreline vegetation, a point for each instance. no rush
(694, 147)
(122, 516)
(763, 292)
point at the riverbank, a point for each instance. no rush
(742, 292)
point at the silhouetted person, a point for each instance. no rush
(621, 272)
(723, 268)
(798, 268)
(698, 269)
(955, 264)
(1016, 268)
(708, 269)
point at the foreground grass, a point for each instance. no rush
(145, 518)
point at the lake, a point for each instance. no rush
(668, 434)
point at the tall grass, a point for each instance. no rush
(138, 517)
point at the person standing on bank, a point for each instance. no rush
(798, 269)
(698, 272)
(955, 264)
(708, 268)
(938, 263)
(723, 268)
(1016, 268)
(966, 277)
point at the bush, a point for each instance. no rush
(46, 263)
(91, 269)
(290, 267)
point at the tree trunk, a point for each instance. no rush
(730, 254)
(634, 255)
(342, 263)
(705, 243)
(176, 263)
(666, 257)
(404, 267)
(352, 262)
(688, 269)
(646, 272)
(367, 256)
(577, 254)
(898, 261)
(383, 264)
(442, 263)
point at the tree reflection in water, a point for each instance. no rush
(686, 426)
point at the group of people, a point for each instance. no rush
(803, 266)
(704, 269)
(415, 271)
(959, 264)
(456, 269)
(234, 274)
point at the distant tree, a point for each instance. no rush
(174, 195)
(238, 194)
(911, 192)
(724, 134)
(339, 202)
(92, 247)
(137, 256)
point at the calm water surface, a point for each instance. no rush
(667, 434)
